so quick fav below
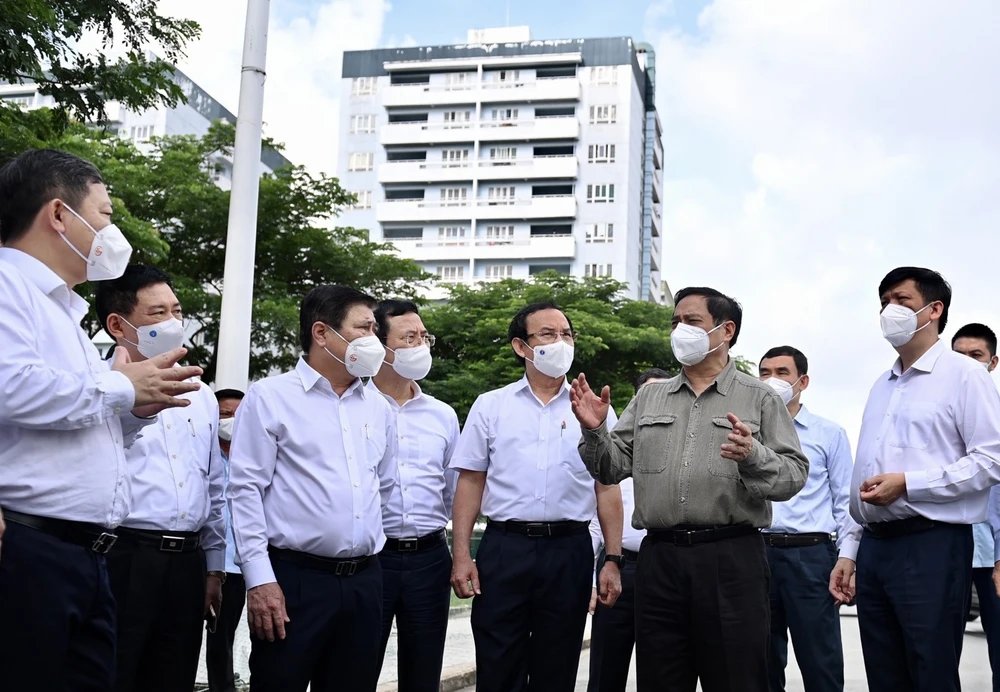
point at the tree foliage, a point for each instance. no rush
(39, 41)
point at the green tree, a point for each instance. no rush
(39, 42)
(619, 338)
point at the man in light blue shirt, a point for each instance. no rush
(979, 342)
(800, 549)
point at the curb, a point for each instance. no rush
(455, 678)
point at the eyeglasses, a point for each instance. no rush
(547, 336)
(416, 340)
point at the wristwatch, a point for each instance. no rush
(617, 559)
(218, 573)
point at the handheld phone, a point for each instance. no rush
(211, 620)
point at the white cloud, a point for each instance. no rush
(811, 147)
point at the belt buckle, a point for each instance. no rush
(408, 545)
(688, 534)
(346, 569)
(103, 544)
(539, 530)
(172, 544)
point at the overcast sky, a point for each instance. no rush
(810, 146)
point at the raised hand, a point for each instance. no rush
(740, 441)
(591, 410)
(156, 381)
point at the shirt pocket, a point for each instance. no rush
(653, 440)
(914, 425)
(721, 428)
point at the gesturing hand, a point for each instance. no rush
(591, 410)
(883, 489)
(740, 441)
(266, 612)
(156, 381)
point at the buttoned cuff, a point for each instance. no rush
(849, 548)
(118, 390)
(755, 457)
(591, 435)
(996, 552)
(918, 487)
(215, 560)
(258, 572)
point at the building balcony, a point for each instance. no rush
(561, 127)
(431, 95)
(548, 167)
(538, 207)
(535, 247)
(656, 254)
(657, 155)
(657, 185)
(657, 216)
(416, 210)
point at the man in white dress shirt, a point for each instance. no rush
(927, 457)
(612, 632)
(519, 464)
(416, 564)
(800, 549)
(167, 566)
(979, 342)
(312, 466)
(64, 424)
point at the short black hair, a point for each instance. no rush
(229, 394)
(721, 307)
(329, 305)
(35, 178)
(801, 362)
(651, 374)
(518, 328)
(120, 296)
(930, 284)
(392, 308)
(977, 331)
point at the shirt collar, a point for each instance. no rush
(523, 384)
(925, 363)
(46, 280)
(309, 378)
(723, 381)
(417, 394)
(804, 417)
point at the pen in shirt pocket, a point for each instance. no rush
(562, 429)
(194, 433)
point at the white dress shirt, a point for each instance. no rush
(529, 453)
(631, 536)
(427, 431)
(309, 470)
(822, 505)
(62, 409)
(178, 479)
(939, 423)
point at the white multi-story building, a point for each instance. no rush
(505, 157)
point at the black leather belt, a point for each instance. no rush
(902, 527)
(91, 536)
(164, 541)
(342, 567)
(630, 555)
(700, 534)
(541, 529)
(412, 545)
(795, 540)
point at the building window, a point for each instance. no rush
(599, 194)
(500, 195)
(457, 119)
(499, 235)
(601, 153)
(504, 115)
(361, 161)
(454, 196)
(363, 86)
(597, 270)
(503, 156)
(606, 74)
(603, 115)
(451, 235)
(363, 124)
(505, 77)
(22, 100)
(455, 158)
(142, 133)
(600, 232)
(454, 273)
(499, 271)
(364, 200)
(459, 80)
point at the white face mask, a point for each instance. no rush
(690, 344)
(226, 428)
(109, 253)
(553, 360)
(364, 356)
(156, 339)
(899, 323)
(413, 363)
(785, 391)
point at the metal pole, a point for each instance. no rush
(233, 369)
